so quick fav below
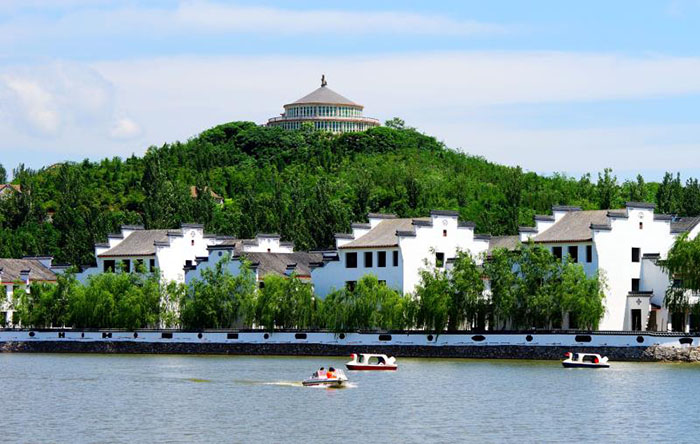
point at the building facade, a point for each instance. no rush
(395, 250)
(326, 110)
(17, 275)
(625, 247)
(266, 254)
(168, 251)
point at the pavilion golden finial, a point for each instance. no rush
(323, 80)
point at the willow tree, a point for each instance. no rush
(683, 267)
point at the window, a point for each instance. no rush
(635, 254)
(138, 265)
(381, 259)
(350, 285)
(350, 260)
(192, 242)
(589, 253)
(368, 259)
(636, 316)
(395, 258)
(126, 264)
(641, 225)
(573, 252)
(439, 260)
(110, 266)
(556, 251)
(635, 284)
(444, 233)
(152, 265)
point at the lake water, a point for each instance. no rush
(127, 398)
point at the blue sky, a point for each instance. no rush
(548, 85)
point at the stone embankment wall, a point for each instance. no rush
(481, 352)
(679, 354)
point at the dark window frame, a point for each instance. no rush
(589, 254)
(557, 252)
(369, 259)
(574, 249)
(351, 260)
(395, 258)
(381, 259)
(635, 284)
(439, 259)
(636, 254)
(109, 266)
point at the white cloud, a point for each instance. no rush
(201, 17)
(43, 100)
(32, 104)
(448, 95)
(125, 129)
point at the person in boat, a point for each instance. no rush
(321, 373)
(331, 373)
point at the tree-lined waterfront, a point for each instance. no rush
(538, 295)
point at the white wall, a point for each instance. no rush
(333, 275)
(614, 249)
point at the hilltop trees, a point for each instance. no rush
(305, 185)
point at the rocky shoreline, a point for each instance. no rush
(652, 353)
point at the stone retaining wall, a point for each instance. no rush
(482, 352)
(682, 354)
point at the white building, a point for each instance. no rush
(267, 254)
(168, 251)
(18, 275)
(625, 246)
(395, 250)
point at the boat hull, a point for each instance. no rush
(325, 383)
(356, 367)
(584, 365)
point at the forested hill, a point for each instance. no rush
(303, 184)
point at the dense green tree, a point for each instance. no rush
(219, 299)
(683, 267)
(608, 190)
(306, 185)
(3, 174)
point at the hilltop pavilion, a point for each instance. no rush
(326, 110)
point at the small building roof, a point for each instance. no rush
(13, 268)
(574, 226)
(138, 243)
(684, 224)
(280, 263)
(382, 235)
(324, 95)
(507, 242)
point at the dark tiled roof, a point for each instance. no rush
(444, 213)
(507, 242)
(381, 216)
(279, 263)
(527, 229)
(544, 217)
(647, 205)
(12, 270)
(382, 235)
(683, 224)
(139, 243)
(565, 208)
(574, 227)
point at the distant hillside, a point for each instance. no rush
(303, 184)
